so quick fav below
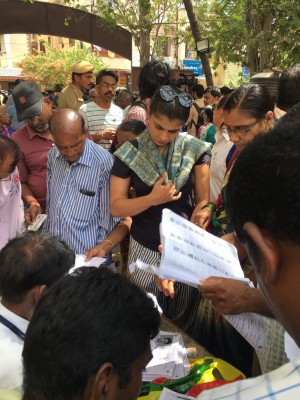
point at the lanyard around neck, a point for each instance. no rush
(12, 327)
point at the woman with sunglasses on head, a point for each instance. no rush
(167, 169)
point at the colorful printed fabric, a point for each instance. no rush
(220, 222)
(208, 134)
(177, 160)
(7, 131)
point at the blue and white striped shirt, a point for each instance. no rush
(280, 384)
(80, 220)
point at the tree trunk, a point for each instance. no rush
(144, 9)
(267, 33)
(144, 48)
(197, 36)
(251, 50)
(258, 28)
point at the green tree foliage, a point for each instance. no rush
(53, 66)
(146, 20)
(260, 34)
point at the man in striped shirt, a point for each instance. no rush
(78, 185)
(264, 207)
(103, 118)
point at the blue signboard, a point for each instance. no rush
(245, 72)
(193, 65)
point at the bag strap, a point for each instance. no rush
(139, 103)
(198, 108)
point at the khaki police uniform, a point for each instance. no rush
(70, 97)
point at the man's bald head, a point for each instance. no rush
(68, 130)
(65, 119)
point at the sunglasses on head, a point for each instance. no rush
(167, 93)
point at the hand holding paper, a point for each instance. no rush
(191, 254)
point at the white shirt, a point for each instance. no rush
(11, 347)
(98, 118)
(291, 348)
(219, 153)
(280, 384)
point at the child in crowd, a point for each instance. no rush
(127, 130)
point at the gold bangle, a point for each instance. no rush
(107, 240)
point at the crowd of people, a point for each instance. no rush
(102, 164)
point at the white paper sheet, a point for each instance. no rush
(251, 327)
(79, 262)
(37, 223)
(169, 357)
(168, 394)
(191, 254)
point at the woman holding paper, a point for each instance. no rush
(167, 169)
(248, 111)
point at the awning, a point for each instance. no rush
(10, 74)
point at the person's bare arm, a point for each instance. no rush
(34, 208)
(201, 191)
(105, 134)
(114, 238)
(121, 205)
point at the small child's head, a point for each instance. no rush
(129, 130)
(171, 102)
(208, 114)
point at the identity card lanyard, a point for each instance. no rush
(12, 327)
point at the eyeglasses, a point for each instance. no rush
(243, 130)
(167, 93)
(107, 85)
